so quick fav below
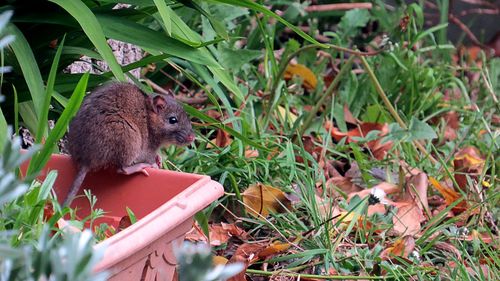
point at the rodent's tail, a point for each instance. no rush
(75, 186)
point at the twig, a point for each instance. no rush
(480, 11)
(480, 2)
(338, 7)
(460, 24)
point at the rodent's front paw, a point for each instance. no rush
(158, 162)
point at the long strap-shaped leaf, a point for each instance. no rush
(29, 68)
(39, 160)
(259, 8)
(87, 20)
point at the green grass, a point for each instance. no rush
(238, 58)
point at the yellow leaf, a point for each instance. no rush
(287, 115)
(260, 199)
(303, 72)
(219, 260)
(273, 249)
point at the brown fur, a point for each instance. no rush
(118, 126)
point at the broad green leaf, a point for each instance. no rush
(420, 130)
(259, 8)
(128, 31)
(353, 20)
(30, 70)
(44, 115)
(41, 158)
(235, 59)
(28, 114)
(93, 30)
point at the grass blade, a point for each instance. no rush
(44, 115)
(39, 160)
(88, 21)
(259, 8)
(29, 68)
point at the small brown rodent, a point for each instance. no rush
(120, 127)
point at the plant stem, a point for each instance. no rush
(328, 92)
(315, 276)
(391, 109)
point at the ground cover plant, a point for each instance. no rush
(353, 141)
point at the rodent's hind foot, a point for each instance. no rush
(136, 168)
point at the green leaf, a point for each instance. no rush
(128, 31)
(165, 14)
(259, 8)
(41, 158)
(420, 130)
(235, 59)
(353, 20)
(198, 114)
(44, 115)
(30, 70)
(3, 129)
(93, 30)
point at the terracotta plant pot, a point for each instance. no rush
(163, 202)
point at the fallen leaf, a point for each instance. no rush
(219, 260)
(273, 249)
(260, 200)
(417, 183)
(246, 254)
(124, 223)
(407, 218)
(223, 138)
(376, 146)
(477, 236)
(450, 196)
(401, 248)
(309, 78)
(219, 234)
(467, 162)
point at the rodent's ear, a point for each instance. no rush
(159, 103)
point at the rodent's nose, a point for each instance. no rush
(190, 137)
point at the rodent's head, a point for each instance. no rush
(173, 124)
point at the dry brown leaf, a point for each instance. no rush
(485, 237)
(219, 233)
(450, 196)
(344, 184)
(408, 218)
(261, 200)
(388, 188)
(401, 248)
(273, 249)
(378, 148)
(251, 153)
(417, 183)
(246, 254)
(467, 162)
(124, 223)
(309, 78)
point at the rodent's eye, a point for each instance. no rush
(172, 120)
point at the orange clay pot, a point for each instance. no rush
(163, 202)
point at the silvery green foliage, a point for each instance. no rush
(7, 39)
(57, 258)
(10, 159)
(195, 264)
(66, 257)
